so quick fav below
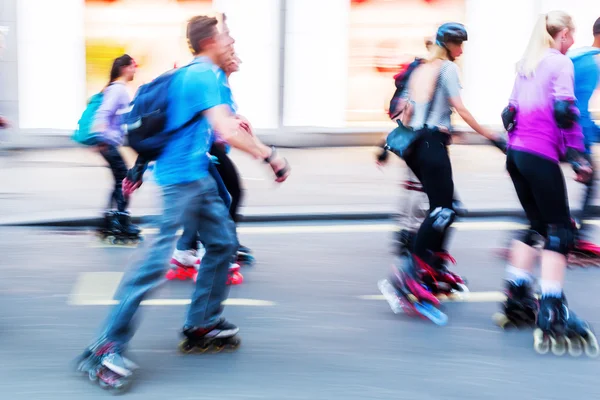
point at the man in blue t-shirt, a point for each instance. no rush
(586, 61)
(189, 193)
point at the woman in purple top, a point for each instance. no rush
(542, 122)
(108, 121)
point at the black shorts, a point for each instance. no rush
(541, 188)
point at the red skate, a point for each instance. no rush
(182, 272)
(584, 254)
(438, 278)
(235, 277)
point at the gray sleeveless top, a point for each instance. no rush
(439, 115)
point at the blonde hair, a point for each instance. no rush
(436, 52)
(542, 38)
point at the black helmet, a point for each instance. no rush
(451, 32)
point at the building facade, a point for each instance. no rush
(306, 63)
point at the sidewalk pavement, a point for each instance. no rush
(70, 187)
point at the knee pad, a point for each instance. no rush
(565, 114)
(442, 218)
(561, 239)
(531, 238)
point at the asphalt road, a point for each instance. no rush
(312, 323)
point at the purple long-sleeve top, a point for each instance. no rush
(536, 130)
(108, 117)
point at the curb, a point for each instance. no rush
(93, 222)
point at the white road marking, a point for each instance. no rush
(180, 302)
(469, 297)
(93, 287)
(98, 289)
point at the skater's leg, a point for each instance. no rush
(119, 170)
(432, 162)
(140, 281)
(547, 186)
(231, 179)
(189, 238)
(218, 235)
(586, 207)
(523, 254)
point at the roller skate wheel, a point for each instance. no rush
(590, 344)
(575, 346)
(388, 292)
(502, 320)
(541, 344)
(558, 345)
(233, 343)
(463, 288)
(186, 347)
(92, 376)
(120, 386)
(102, 384)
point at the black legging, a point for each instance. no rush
(541, 189)
(230, 178)
(590, 193)
(119, 170)
(430, 162)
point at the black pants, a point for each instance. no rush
(590, 192)
(541, 189)
(230, 178)
(430, 162)
(119, 170)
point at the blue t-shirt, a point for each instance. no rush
(587, 78)
(193, 90)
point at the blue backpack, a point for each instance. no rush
(146, 121)
(84, 134)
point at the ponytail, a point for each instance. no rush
(120, 62)
(542, 39)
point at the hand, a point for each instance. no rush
(581, 166)
(382, 158)
(280, 166)
(4, 123)
(102, 147)
(499, 142)
(129, 187)
(584, 175)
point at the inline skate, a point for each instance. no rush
(223, 336)
(560, 330)
(406, 292)
(184, 265)
(519, 309)
(106, 365)
(117, 229)
(584, 253)
(244, 256)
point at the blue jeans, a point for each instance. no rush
(189, 238)
(197, 201)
